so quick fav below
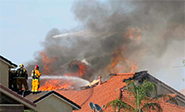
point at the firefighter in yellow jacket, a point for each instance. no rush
(35, 79)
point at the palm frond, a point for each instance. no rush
(148, 87)
(120, 104)
(164, 96)
(154, 106)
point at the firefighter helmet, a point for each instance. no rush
(36, 67)
(21, 65)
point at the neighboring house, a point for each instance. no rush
(51, 101)
(162, 88)
(112, 89)
(12, 102)
(5, 64)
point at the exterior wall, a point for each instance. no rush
(11, 108)
(53, 104)
(4, 76)
(163, 90)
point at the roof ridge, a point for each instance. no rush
(129, 73)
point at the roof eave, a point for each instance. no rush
(8, 62)
(74, 105)
(17, 97)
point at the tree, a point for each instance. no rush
(120, 104)
(140, 92)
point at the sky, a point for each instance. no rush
(25, 23)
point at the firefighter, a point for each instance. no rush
(35, 79)
(22, 78)
(12, 80)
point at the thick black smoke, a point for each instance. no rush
(161, 25)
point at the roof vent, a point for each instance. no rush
(112, 74)
(99, 80)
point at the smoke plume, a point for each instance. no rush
(148, 34)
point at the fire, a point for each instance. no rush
(77, 68)
(134, 34)
(82, 70)
(121, 64)
(47, 63)
(54, 84)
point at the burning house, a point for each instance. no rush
(10, 101)
(118, 38)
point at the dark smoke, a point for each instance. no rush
(161, 23)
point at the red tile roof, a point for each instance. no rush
(108, 91)
(100, 94)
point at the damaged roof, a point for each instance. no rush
(35, 98)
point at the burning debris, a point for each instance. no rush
(79, 69)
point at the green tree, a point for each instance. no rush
(140, 92)
(120, 104)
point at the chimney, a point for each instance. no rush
(99, 80)
(120, 93)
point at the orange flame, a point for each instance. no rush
(80, 67)
(134, 34)
(121, 64)
(82, 70)
(54, 84)
(47, 63)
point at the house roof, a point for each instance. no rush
(108, 91)
(140, 76)
(100, 94)
(11, 65)
(35, 98)
(28, 104)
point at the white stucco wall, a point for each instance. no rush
(4, 77)
(53, 104)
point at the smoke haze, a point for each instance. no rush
(150, 34)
